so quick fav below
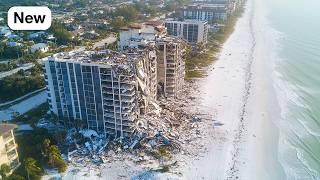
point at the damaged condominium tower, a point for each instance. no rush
(108, 91)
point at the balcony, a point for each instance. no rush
(10, 146)
(7, 138)
(12, 155)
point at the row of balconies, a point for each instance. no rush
(124, 109)
(12, 155)
(10, 146)
(8, 137)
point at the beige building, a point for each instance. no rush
(8, 146)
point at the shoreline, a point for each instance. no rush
(246, 146)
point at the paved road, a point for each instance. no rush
(24, 106)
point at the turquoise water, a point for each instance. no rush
(298, 65)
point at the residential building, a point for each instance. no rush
(206, 12)
(105, 91)
(13, 44)
(8, 146)
(42, 47)
(5, 31)
(135, 34)
(193, 31)
(212, 1)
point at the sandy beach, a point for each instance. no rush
(238, 93)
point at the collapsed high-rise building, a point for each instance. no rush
(108, 91)
(105, 91)
(170, 53)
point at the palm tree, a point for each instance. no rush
(55, 159)
(4, 170)
(53, 155)
(45, 147)
(31, 167)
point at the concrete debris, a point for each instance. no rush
(88, 133)
(163, 127)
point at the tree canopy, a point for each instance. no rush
(129, 13)
(62, 35)
(33, 170)
(4, 170)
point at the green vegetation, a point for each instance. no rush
(15, 177)
(174, 5)
(55, 159)
(32, 168)
(38, 149)
(128, 12)
(6, 4)
(4, 170)
(60, 32)
(19, 84)
(123, 16)
(118, 22)
(196, 63)
(7, 66)
(7, 52)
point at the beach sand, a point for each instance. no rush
(239, 94)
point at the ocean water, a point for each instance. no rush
(297, 77)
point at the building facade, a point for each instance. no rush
(206, 12)
(104, 91)
(8, 146)
(193, 31)
(171, 66)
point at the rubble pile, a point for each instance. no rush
(165, 128)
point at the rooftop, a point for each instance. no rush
(4, 128)
(187, 21)
(158, 25)
(103, 57)
(206, 6)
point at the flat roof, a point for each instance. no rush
(4, 128)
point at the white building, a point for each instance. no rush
(8, 147)
(135, 34)
(206, 12)
(193, 31)
(5, 31)
(106, 90)
(42, 47)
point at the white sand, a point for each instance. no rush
(239, 93)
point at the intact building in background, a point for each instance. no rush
(104, 91)
(8, 146)
(193, 31)
(206, 12)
